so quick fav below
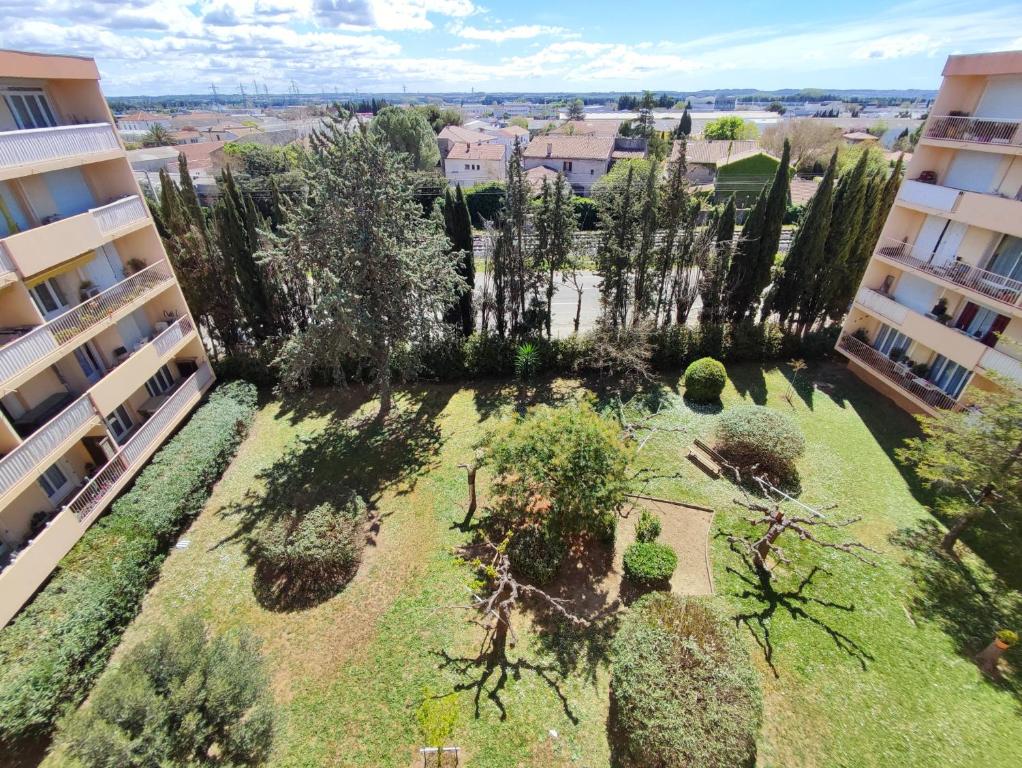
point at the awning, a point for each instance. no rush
(61, 268)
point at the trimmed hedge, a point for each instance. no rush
(683, 690)
(649, 563)
(705, 379)
(648, 527)
(750, 435)
(55, 648)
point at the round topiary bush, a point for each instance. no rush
(705, 380)
(683, 692)
(753, 435)
(303, 556)
(649, 563)
(536, 553)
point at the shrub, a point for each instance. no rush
(485, 201)
(650, 563)
(566, 467)
(303, 555)
(587, 213)
(178, 698)
(51, 653)
(536, 553)
(683, 690)
(526, 361)
(750, 435)
(705, 380)
(648, 527)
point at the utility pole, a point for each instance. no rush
(216, 101)
(244, 101)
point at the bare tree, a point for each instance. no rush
(811, 140)
(775, 522)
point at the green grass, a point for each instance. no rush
(861, 666)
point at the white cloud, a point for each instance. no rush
(463, 47)
(895, 47)
(520, 32)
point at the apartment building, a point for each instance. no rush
(100, 360)
(939, 309)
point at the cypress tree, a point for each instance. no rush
(189, 197)
(740, 296)
(714, 278)
(796, 285)
(458, 227)
(773, 223)
(840, 254)
(648, 220)
(684, 124)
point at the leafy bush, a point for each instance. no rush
(750, 435)
(536, 552)
(436, 716)
(303, 555)
(683, 690)
(51, 653)
(485, 201)
(648, 527)
(178, 698)
(526, 361)
(650, 563)
(587, 213)
(565, 467)
(705, 380)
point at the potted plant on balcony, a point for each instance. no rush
(939, 311)
(897, 354)
(133, 265)
(920, 369)
(861, 334)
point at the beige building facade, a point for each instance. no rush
(99, 358)
(939, 310)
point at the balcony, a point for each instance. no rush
(8, 274)
(37, 560)
(47, 444)
(40, 347)
(988, 284)
(44, 247)
(37, 150)
(919, 390)
(973, 130)
(995, 361)
(930, 196)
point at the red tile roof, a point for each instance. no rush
(714, 152)
(477, 151)
(570, 147)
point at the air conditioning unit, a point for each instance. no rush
(89, 293)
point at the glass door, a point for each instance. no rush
(49, 298)
(1007, 259)
(949, 376)
(889, 339)
(30, 107)
(120, 424)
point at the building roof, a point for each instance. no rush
(714, 152)
(514, 130)
(534, 177)
(137, 117)
(802, 190)
(457, 134)
(477, 151)
(602, 127)
(860, 136)
(199, 155)
(627, 154)
(570, 147)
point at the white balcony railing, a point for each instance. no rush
(978, 130)
(28, 455)
(120, 213)
(932, 196)
(40, 145)
(998, 362)
(897, 374)
(882, 305)
(998, 287)
(62, 331)
(166, 339)
(97, 491)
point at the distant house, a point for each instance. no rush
(703, 158)
(582, 159)
(456, 134)
(859, 137)
(470, 163)
(802, 190)
(535, 177)
(511, 133)
(745, 177)
(187, 136)
(143, 121)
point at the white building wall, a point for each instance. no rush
(488, 170)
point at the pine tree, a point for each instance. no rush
(620, 205)
(796, 289)
(645, 125)
(740, 287)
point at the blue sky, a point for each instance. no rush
(176, 46)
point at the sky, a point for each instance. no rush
(154, 47)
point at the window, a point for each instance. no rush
(89, 362)
(982, 323)
(1007, 259)
(888, 339)
(119, 423)
(29, 107)
(49, 298)
(468, 167)
(54, 482)
(160, 382)
(566, 166)
(950, 377)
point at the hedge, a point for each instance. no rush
(485, 201)
(55, 648)
(683, 690)
(649, 563)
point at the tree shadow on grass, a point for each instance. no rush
(750, 382)
(359, 454)
(795, 602)
(969, 605)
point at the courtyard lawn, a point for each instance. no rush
(861, 666)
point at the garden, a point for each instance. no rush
(339, 565)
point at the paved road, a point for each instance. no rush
(566, 300)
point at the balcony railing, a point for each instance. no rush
(65, 329)
(39, 145)
(102, 485)
(166, 340)
(882, 305)
(996, 361)
(998, 287)
(58, 430)
(118, 214)
(979, 130)
(896, 374)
